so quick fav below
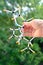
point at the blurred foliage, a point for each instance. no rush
(9, 50)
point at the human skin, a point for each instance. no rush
(33, 28)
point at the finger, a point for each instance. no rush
(28, 34)
(26, 23)
(38, 33)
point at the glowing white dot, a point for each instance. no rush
(41, 2)
(32, 9)
(29, 4)
(9, 4)
(0, 11)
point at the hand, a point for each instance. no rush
(33, 28)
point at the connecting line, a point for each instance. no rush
(32, 39)
(19, 39)
(19, 9)
(23, 49)
(29, 43)
(16, 10)
(30, 19)
(31, 50)
(12, 34)
(16, 23)
(8, 11)
(21, 17)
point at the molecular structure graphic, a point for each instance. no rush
(20, 37)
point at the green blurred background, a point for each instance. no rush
(9, 50)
